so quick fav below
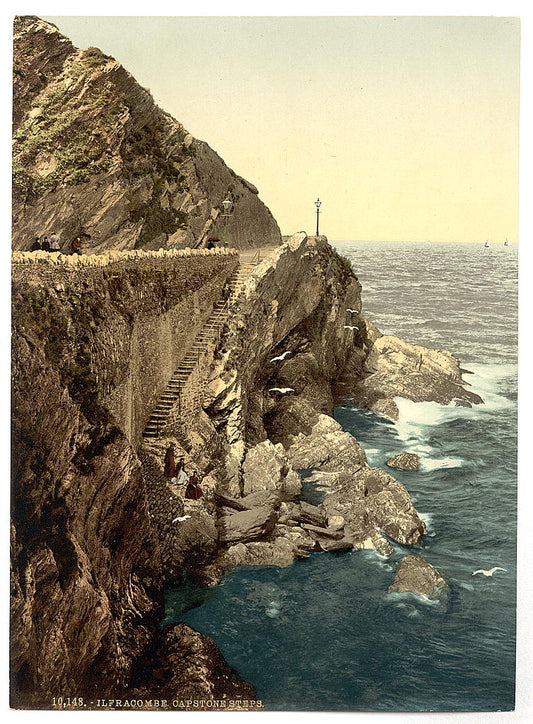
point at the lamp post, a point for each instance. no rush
(226, 205)
(317, 204)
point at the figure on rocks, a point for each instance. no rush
(170, 461)
(181, 477)
(193, 490)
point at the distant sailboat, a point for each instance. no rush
(487, 243)
(506, 242)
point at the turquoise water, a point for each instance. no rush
(323, 634)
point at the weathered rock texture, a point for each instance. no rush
(190, 664)
(293, 306)
(393, 368)
(91, 347)
(417, 576)
(94, 156)
(404, 461)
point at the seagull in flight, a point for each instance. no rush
(281, 390)
(489, 572)
(181, 518)
(348, 326)
(280, 358)
(353, 311)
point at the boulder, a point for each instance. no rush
(418, 576)
(389, 506)
(371, 501)
(281, 553)
(307, 513)
(404, 461)
(247, 525)
(328, 452)
(261, 498)
(293, 416)
(194, 540)
(342, 544)
(316, 532)
(266, 467)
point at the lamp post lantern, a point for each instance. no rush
(226, 212)
(317, 204)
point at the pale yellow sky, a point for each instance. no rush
(407, 128)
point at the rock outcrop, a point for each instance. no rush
(416, 575)
(393, 368)
(187, 669)
(404, 461)
(95, 158)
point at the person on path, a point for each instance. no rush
(45, 244)
(170, 462)
(36, 246)
(193, 491)
(181, 476)
(54, 242)
(76, 245)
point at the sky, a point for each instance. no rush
(405, 127)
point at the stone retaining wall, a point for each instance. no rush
(124, 319)
(112, 257)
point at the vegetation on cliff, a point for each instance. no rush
(94, 155)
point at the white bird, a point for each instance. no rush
(280, 358)
(490, 572)
(281, 390)
(348, 326)
(353, 311)
(181, 518)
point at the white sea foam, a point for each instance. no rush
(427, 518)
(401, 599)
(429, 464)
(376, 558)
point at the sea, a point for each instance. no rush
(324, 634)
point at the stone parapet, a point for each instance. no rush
(113, 257)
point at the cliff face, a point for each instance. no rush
(97, 529)
(94, 156)
(94, 341)
(293, 307)
(92, 347)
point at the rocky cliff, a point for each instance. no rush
(94, 157)
(92, 343)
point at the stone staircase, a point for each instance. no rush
(171, 400)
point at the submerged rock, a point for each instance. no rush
(404, 461)
(418, 576)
